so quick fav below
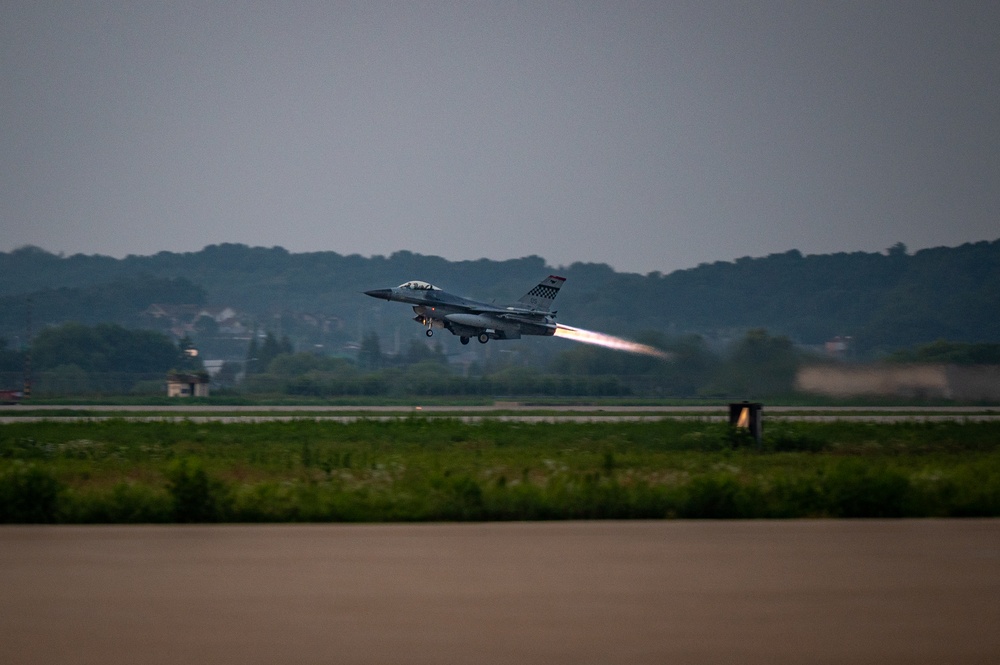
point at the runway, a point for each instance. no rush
(501, 411)
(920, 591)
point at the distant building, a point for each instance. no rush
(180, 320)
(175, 319)
(226, 318)
(837, 347)
(213, 367)
(187, 385)
(218, 314)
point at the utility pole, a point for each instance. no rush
(27, 354)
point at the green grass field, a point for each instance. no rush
(424, 469)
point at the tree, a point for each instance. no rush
(65, 380)
(419, 351)
(188, 360)
(253, 365)
(954, 353)
(897, 250)
(690, 367)
(760, 364)
(104, 348)
(228, 374)
(269, 350)
(297, 364)
(206, 326)
(370, 354)
(10, 360)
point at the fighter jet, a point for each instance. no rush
(466, 318)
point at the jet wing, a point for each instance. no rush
(512, 313)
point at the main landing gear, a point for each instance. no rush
(464, 339)
(483, 338)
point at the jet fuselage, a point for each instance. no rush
(435, 308)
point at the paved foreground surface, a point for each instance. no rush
(923, 591)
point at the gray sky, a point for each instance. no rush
(646, 135)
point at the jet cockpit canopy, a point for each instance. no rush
(417, 285)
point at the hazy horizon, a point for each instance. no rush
(551, 264)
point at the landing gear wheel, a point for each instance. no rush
(429, 333)
(464, 339)
(483, 338)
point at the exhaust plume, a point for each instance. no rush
(608, 341)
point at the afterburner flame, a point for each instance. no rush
(608, 341)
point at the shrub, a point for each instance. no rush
(126, 503)
(196, 497)
(855, 489)
(717, 497)
(29, 495)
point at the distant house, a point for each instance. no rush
(219, 314)
(227, 319)
(175, 318)
(180, 320)
(837, 347)
(187, 385)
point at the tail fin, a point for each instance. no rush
(541, 296)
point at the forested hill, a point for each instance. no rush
(883, 300)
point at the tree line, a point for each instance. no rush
(883, 300)
(75, 359)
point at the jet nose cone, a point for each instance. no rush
(384, 294)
